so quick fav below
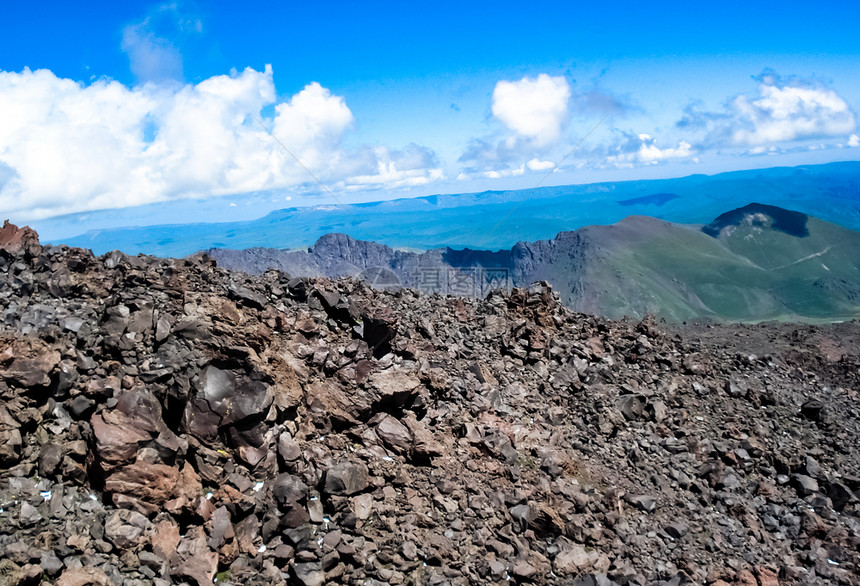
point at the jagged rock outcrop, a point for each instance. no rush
(167, 421)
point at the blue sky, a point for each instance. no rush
(117, 104)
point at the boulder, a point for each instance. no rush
(393, 433)
(288, 490)
(19, 241)
(346, 478)
(152, 483)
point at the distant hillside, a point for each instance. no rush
(754, 263)
(488, 221)
(756, 214)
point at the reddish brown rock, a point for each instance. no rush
(19, 241)
(10, 437)
(117, 438)
(325, 399)
(83, 577)
(188, 491)
(746, 578)
(151, 483)
(193, 560)
(767, 577)
(393, 433)
(27, 362)
(165, 538)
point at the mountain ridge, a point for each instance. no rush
(753, 263)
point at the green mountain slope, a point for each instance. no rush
(746, 268)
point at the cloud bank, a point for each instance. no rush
(67, 147)
(642, 148)
(783, 110)
(783, 114)
(787, 111)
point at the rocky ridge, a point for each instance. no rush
(758, 262)
(167, 421)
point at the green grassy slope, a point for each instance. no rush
(749, 272)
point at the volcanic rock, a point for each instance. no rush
(166, 421)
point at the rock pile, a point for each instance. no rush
(166, 421)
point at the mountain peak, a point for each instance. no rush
(760, 216)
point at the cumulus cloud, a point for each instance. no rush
(790, 111)
(538, 165)
(643, 149)
(854, 140)
(783, 110)
(535, 109)
(533, 113)
(68, 147)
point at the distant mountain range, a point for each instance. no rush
(494, 220)
(757, 262)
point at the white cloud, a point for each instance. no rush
(534, 113)
(854, 140)
(538, 165)
(783, 110)
(536, 109)
(411, 167)
(643, 149)
(68, 147)
(497, 172)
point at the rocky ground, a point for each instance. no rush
(166, 421)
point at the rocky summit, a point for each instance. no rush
(170, 422)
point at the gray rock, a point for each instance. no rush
(677, 530)
(522, 516)
(288, 448)
(51, 564)
(309, 574)
(247, 296)
(643, 502)
(125, 528)
(804, 485)
(50, 458)
(631, 406)
(29, 514)
(289, 490)
(346, 478)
